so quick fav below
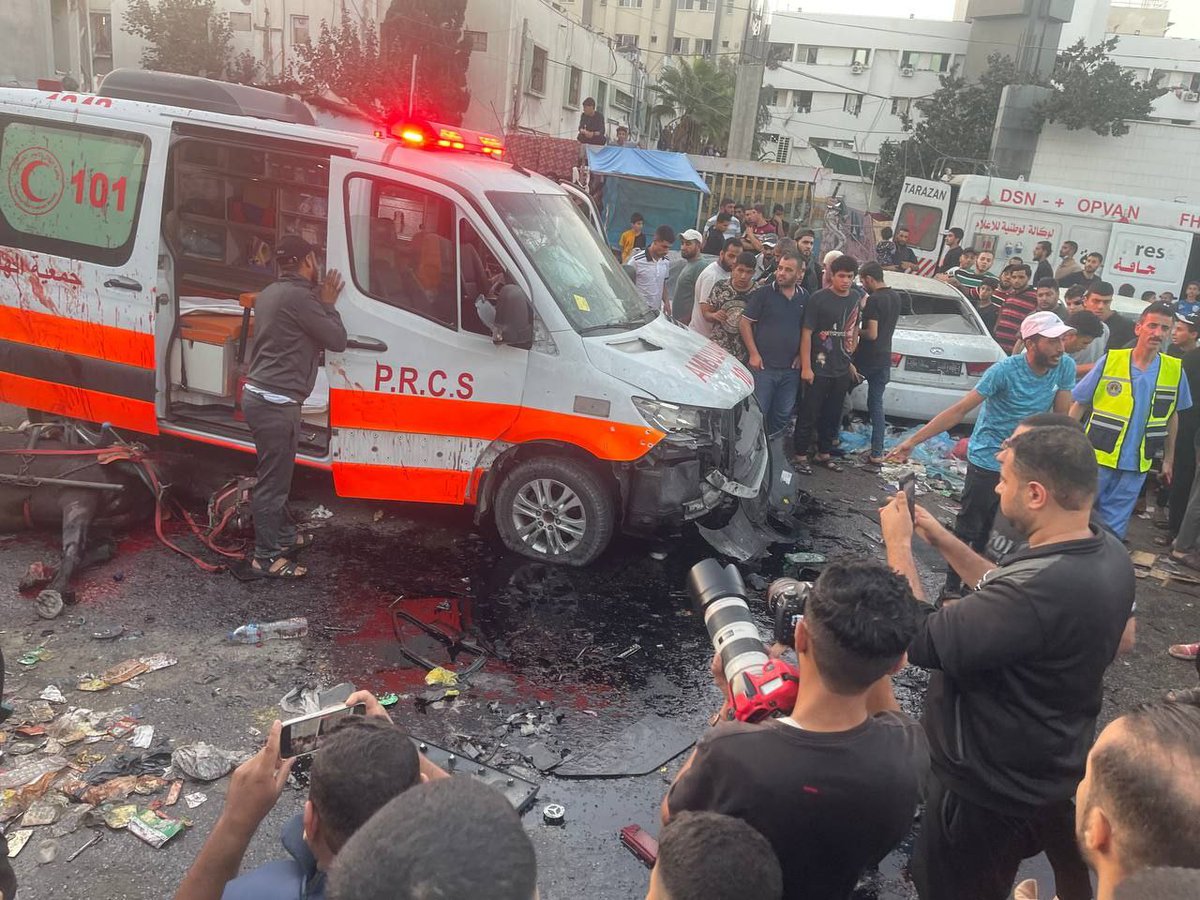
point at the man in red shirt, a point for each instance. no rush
(757, 225)
(1016, 302)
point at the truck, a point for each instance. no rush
(1146, 244)
(497, 357)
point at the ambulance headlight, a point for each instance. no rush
(670, 417)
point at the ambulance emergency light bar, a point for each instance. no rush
(432, 136)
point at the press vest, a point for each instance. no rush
(1113, 408)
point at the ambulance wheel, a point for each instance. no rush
(555, 510)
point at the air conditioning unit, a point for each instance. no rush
(907, 72)
(857, 68)
(1191, 97)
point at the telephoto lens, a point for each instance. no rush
(720, 595)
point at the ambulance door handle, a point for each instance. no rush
(121, 283)
(358, 342)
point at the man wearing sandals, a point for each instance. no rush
(294, 321)
(1036, 381)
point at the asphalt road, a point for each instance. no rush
(558, 637)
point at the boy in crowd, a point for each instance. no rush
(633, 237)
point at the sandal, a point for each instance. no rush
(800, 464)
(829, 463)
(279, 567)
(874, 460)
(303, 539)
(1190, 559)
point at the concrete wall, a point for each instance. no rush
(1154, 160)
(26, 43)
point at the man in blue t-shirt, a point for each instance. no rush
(1139, 368)
(1038, 380)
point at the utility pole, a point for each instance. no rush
(412, 84)
(750, 68)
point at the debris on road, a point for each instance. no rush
(205, 762)
(256, 633)
(53, 694)
(320, 513)
(804, 559)
(154, 828)
(34, 656)
(17, 841)
(438, 675)
(91, 842)
(194, 799)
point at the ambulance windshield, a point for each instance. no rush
(580, 272)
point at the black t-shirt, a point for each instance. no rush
(830, 804)
(1044, 270)
(904, 254)
(989, 314)
(951, 259)
(1189, 418)
(833, 320)
(882, 307)
(1120, 331)
(595, 124)
(1077, 278)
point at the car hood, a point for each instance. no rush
(666, 362)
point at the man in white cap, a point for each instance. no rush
(681, 283)
(1036, 381)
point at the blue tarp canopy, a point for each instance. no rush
(654, 165)
(662, 186)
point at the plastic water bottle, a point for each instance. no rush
(256, 633)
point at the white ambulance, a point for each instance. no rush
(498, 355)
(1146, 244)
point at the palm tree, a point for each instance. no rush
(698, 99)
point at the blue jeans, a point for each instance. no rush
(877, 380)
(775, 391)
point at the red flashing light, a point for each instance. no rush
(413, 136)
(427, 135)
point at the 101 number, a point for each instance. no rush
(98, 191)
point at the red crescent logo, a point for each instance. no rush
(25, 173)
(20, 175)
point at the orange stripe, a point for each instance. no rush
(79, 403)
(489, 421)
(395, 483)
(119, 345)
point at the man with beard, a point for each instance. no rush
(1041, 256)
(1069, 265)
(902, 257)
(717, 271)
(810, 272)
(1129, 404)
(1017, 302)
(1089, 275)
(1017, 672)
(725, 305)
(683, 299)
(771, 327)
(1036, 381)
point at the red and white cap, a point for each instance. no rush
(1043, 324)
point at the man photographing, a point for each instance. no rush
(832, 786)
(1018, 669)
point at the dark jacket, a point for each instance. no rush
(291, 328)
(283, 879)
(1011, 708)
(810, 278)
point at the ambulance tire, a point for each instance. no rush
(579, 507)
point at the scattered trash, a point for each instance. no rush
(28, 772)
(34, 656)
(311, 696)
(47, 851)
(154, 828)
(804, 559)
(44, 811)
(542, 757)
(194, 799)
(378, 517)
(131, 762)
(37, 575)
(123, 671)
(91, 842)
(69, 821)
(158, 661)
(389, 700)
(255, 633)
(438, 675)
(554, 814)
(629, 651)
(658, 555)
(142, 736)
(17, 841)
(173, 794)
(205, 762)
(321, 513)
(53, 694)
(104, 632)
(92, 683)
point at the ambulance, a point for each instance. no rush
(498, 356)
(1146, 244)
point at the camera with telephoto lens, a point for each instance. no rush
(786, 598)
(758, 685)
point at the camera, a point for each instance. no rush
(786, 598)
(759, 686)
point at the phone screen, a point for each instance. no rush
(304, 735)
(908, 484)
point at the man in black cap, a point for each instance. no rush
(294, 321)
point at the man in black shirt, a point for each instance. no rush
(952, 258)
(833, 786)
(591, 125)
(1089, 275)
(1041, 256)
(1018, 668)
(873, 358)
(294, 322)
(770, 329)
(827, 342)
(1098, 301)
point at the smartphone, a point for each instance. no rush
(303, 735)
(908, 484)
(641, 844)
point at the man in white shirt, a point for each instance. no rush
(721, 269)
(651, 268)
(734, 228)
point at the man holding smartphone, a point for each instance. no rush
(362, 763)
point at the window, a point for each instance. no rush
(537, 71)
(621, 99)
(476, 40)
(101, 26)
(402, 249)
(923, 223)
(698, 5)
(635, 4)
(853, 104)
(901, 106)
(772, 96)
(238, 21)
(80, 193)
(806, 54)
(802, 101)
(926, 62)
(939, 62)
(482, 277)
(574, 86)
(908, 59)
(627, 40)
(680, 45)
(703, 46)
(861, 57)
(299, 30)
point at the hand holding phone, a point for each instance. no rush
(303, 735)
(908, 484)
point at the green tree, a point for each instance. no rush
(431, 30)
(348, 60)
(697, 99)
(1092, 91)
(185, 36)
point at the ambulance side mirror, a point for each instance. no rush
(514, 317)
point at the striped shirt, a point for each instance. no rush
(1014, 308)
(968, 278)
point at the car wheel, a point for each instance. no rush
(555, 510)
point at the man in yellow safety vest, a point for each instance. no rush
(1129, 404)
